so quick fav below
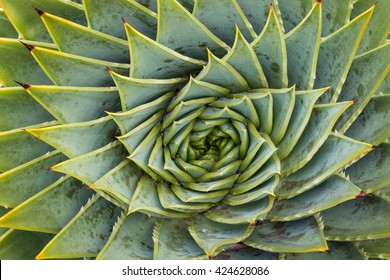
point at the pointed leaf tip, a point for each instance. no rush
(374, 147)
(124, 21)
(109, 69)
(318, 1)
(354, 101)
(25, 86)
(50, 169)
(39, 11)
(29, 47)
(362, 194)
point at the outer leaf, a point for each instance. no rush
(105, 15)
(76, 104)
(80, 40)
(85, 234)
(64, 69)
(90, 167)
(17, 64)
(22, 245)
(328, 194)
(22, 182)
(294, 11)
(80, 138)
(177, 37)
(270, 49)
(6, 28)
(213, 237)
(246, 253)
(297, 236)
(373, 124)
(337, 152)
(378, 248)
(51, 208)
(335, 15)
(172, 241)
(130, 239)
(333, 67)
(358, 219)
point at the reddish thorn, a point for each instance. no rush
(35, 259)
(270, 5)
(29, 47)
(39, 11)
(209, 257)
(354, 101)
(108, 69)
(50, 169)
(327, 251)
(25, 86)
(374, 146)
(361, 194)
(124, 21)
(376, 2)
(318, 1)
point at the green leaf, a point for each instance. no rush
(336, 251)
(316, 132)
(154, 60)
(297, 236)
(216, 185)
(336, 152)
(129, 120)
(362, 87)
(90, 167)
(86, 234)
(172, 241)
(23, 15)
(131, 239)
(174, 22)
(120, 182)
(378, 248)
(219, 72)
(328, 194)
(335, 15)
(146, 200)
(358, 219)
(135, 92)
(373, 124)
(213, 15)
(169, 200)
(17, 64)
(22, 182)
(378, 27)
(6, 28)
(303, 107)
(22, 245)
(270, 49)
(76, 139)
(76, 104)
(241, 214)
(302, 57)
(12, 156)
(243, 58)
(333, 67)
(49, 210)
(105, 16)
(256, 12)
(263, 103)
(150, 4)
(64, 69)
(187, 195)
(371, 173)
(293, 12)
(214, 237)
(83, 41)
(246, 253)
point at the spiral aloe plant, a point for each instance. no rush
(224, 129)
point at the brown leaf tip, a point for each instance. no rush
(362, 194)
(25, 86)
(39, 11)
(376, 2)
(108, 69)
(29, 47)
(50, 169)
(318, 1)
(354, 101)
(374, 146)
(271, 6)
(123, 20)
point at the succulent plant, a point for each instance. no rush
(225, 129)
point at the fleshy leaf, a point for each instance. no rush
(270, 48)
(358, 219)
(154, 60)
(90, 167)
(130, 239)
(105, 15)
(328, 194)
(24, 181)
(245, 253)
(378, 248)
(85, 234)
(76, 139)
(51, 208)
(335, 15)
(174, 22)
(296, 236)
(214, 237)
(172, 241)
